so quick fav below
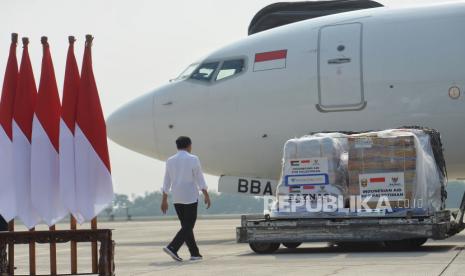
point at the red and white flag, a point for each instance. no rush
(45, 166)
(67, 127)
(270, 60)
(7, 194)
(23, 113)
(94, 188)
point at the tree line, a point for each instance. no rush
(148, 205)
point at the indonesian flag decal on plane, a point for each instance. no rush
(7, 194)
(67, 128)
(94, 189)
(25, 100)
(45, 166)
(270, 60)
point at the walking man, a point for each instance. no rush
(184, 177)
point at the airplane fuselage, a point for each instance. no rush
(365, 70)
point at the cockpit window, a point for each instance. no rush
(187, 72)
(205, 71)
(230, 68)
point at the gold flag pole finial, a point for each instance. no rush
(44, 40)
(71, 39)
(25, 41)
(14, 37)
(89, 39)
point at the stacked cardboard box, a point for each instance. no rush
(382, 166)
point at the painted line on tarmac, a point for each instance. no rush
(459, 250)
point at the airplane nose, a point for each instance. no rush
(132, 125)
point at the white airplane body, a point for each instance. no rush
(363, 70)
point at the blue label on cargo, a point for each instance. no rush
(306, 179)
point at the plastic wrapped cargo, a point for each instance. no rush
(383, 167)
(399, 162)
(314, 166)
(403, 168)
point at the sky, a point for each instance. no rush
(138, 46)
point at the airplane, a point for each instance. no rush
(368, 69)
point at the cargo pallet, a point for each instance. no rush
(265, 234)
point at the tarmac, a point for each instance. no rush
(139, 252)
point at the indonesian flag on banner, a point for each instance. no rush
(24, 105)
(67, 127)
(45, 166)
(7, 191)
(94, 188)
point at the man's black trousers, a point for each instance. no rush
(187, 214)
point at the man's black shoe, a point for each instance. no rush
(172, 254)
(197, 257)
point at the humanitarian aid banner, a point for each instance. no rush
(376, 185)
(306, 171)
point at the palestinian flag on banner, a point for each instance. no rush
(295, 189)
(295, 163)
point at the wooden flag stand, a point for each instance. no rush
(102, 264)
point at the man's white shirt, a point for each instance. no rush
(184, 177)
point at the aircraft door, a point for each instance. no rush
(340, 70)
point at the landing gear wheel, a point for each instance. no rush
(417, 242)
(264, 247)
(292, 245)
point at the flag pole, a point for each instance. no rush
(89, 39)
(53, 249)
(11, 250)
(32, 256)
(94, 248)
(53, 254)
(73, 248)
(69, 107)
(32, 245)
(93, 223)
(11, 224)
